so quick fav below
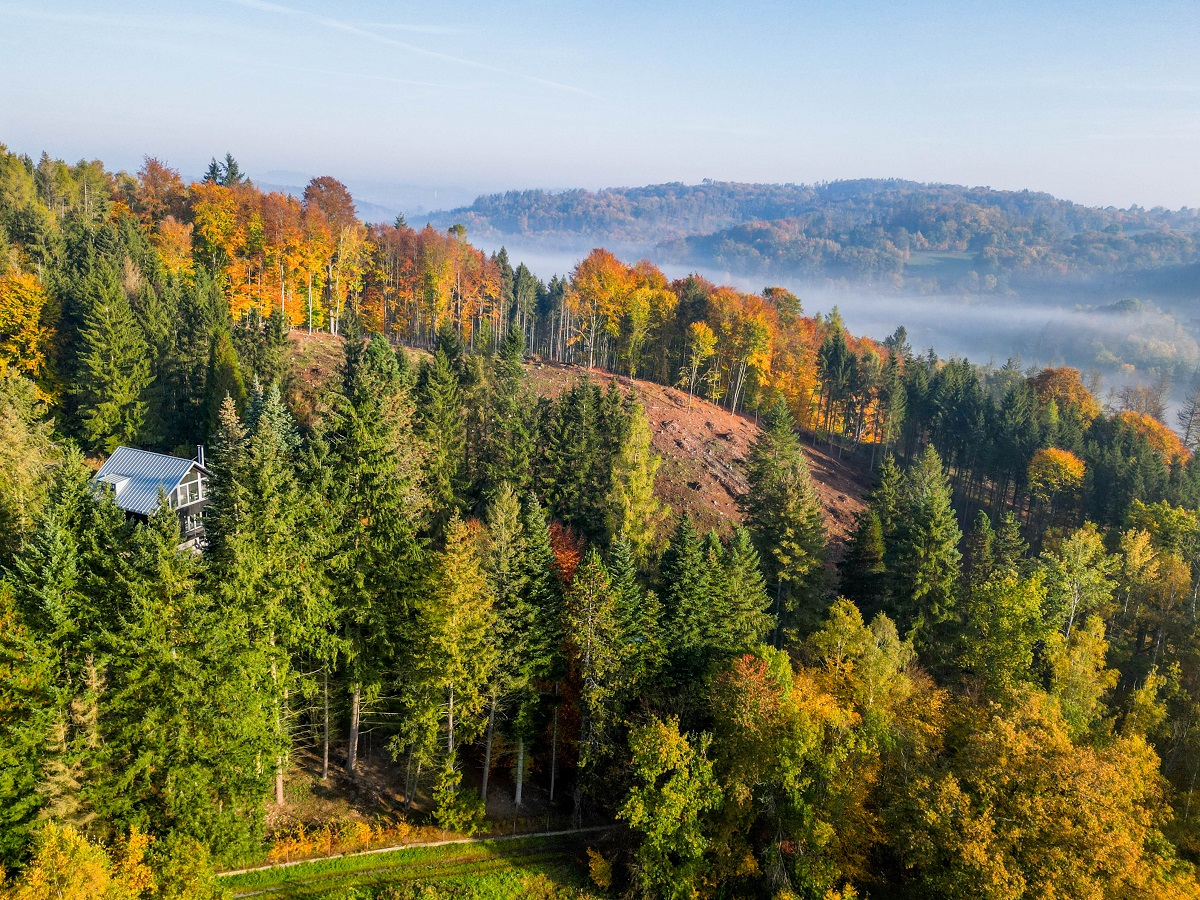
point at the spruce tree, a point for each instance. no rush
(114, 371)
(376, 473)
(222, 379)
(686, 582)
(862, 570)
(639, 616)
(1009, 546)
(594, 642)
(740, 604)
(440, 425)
(266, 567)
(927, 560)
(979, 560)
(784, 518)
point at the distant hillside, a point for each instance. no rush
(931, 235)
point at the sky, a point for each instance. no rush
(1097, 102)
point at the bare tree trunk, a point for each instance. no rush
(517, 800)
(487, 752)
(352, 746)
(450, 733)
(554, 746)
(325, 737)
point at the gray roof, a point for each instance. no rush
(138, 475)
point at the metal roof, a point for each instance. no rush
(138, 475)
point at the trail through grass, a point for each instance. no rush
(544, 867)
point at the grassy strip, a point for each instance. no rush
(477, 869)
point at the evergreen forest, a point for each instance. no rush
(989, 690)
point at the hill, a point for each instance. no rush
(935, 236)
(703, 446)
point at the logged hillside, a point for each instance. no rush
(703, 447)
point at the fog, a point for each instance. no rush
(1121, 343)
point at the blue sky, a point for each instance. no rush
(1095, 101)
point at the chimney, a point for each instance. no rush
(200, 454)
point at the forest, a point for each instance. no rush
(990, 690)
(903, 234)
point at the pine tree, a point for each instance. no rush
(440, 425)
(862, 570)
(979, 561)
(638, 615)
(222, 379)
(784, 518)
(114, 371)
(375, 478)
(1009, 546)
(505, 448)
(741, 607)
(927, 560)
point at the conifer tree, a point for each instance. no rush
(505, 448)
(1009, 546)
(222, 379)
(927, 560)
(862, 570)
(262, 561)
(979, 561)
(784, 518)
(454, 652)
(535, 569)
(740, 605)
(114, 371)
(440, 425)
(687, 576)
(639, 615)
(594, 644)
(376, 472)
(632, 508)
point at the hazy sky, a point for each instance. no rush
(1095, 101)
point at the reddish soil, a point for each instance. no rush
(704, 447)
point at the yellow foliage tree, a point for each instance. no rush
(23, 336)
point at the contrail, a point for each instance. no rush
(347, 28)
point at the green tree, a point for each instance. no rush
(1003, 622)
(674, 791)
(223, 378)
(114, 372)
(784, 518)
(632, 508)
(925, 570)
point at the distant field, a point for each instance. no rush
(546, 868)
(952, 264)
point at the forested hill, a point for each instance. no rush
(875, 229)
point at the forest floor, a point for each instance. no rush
(703, 446)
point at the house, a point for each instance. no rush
(138, 476)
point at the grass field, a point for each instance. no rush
(545, 868)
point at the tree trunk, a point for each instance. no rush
(450, 732)
(554, 746)
(352, 746)
(517, 799)
(325, 737)
(487, 752)
(279, 781)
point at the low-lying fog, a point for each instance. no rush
(1123, 342)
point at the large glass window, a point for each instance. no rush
(190, 490)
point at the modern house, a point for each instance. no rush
(138, 477)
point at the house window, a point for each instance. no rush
(190, 490)
(193, 522)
